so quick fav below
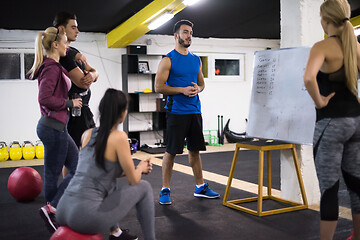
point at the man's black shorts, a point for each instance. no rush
(184, 127)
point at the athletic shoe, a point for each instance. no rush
(164, 198)
(205, 192)
(47, 213)
(125, 235)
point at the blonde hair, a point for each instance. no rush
(44, 39)
(338, 13)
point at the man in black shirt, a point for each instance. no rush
(81, 74)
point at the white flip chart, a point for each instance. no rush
(280, 107)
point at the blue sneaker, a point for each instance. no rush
(205, 192)
(164, 198)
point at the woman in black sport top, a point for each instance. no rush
(331, 77)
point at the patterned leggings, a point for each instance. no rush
(336, 150)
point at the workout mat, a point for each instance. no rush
(187, 218)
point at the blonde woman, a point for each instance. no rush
(331, 79)
(60, 149)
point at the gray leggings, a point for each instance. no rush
(336, 150)
(99, 215)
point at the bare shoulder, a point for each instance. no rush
(166, 59)
(321, 45)
(117, 136)
(317, 49)
(165, 63)
(326, 47)
(85, 138)
(163, 70)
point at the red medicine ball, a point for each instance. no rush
(25, 184)
(66, 233)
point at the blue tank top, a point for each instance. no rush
(344, 103)
(184, 70)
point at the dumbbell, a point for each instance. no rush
(133, 145)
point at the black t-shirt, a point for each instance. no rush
(69, 63)
(77, 125)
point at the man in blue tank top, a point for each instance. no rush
(179, 77)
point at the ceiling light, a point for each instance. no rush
(190, 2)
(357, 31)
(160, 20)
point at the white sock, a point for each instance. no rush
(118, 233)
(164, 188)
(198, 186)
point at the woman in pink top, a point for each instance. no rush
(60, 149)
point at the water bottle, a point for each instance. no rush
(76, 111)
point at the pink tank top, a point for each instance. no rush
(67, 80)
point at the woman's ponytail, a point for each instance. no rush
(39, 55)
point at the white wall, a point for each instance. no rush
(18, 98)
(300, 26)
(228, 97)
(222, 96)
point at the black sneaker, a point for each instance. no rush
(47, 213)
(125, 235)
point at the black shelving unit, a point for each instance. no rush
(129, 70)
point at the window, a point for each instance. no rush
(204, 61)
(10, 66)
(29, 61)
(227, 67)
(15, 63)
